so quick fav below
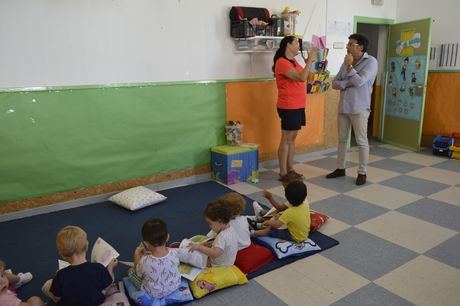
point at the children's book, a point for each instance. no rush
(103, 252)
(195, 239)
(62, 264)
(272, 212)
(193, 258)
(189, 272)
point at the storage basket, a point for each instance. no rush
(234, 134)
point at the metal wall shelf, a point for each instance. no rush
(257, 44)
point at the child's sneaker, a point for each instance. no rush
(257, 208)
(253, 224)
(24, 278)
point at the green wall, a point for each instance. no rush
(70, 138)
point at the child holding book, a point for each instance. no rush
(223, 250)
(296, 217)
(156, 264)
(82, 282)
(9, 298)
(237, 205)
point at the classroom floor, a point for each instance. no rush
(399, 234)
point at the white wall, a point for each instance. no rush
(74, 42)
(343, 12)
(445, 14)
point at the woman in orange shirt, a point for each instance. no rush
(290, 79)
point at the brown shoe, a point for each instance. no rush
(336, 173)
(361, 179)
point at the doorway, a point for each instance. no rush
(376, 30)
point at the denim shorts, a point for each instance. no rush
(280, 234)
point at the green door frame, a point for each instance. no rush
(377, 21)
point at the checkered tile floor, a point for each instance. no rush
(399, 234)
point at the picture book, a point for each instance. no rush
(103, 252)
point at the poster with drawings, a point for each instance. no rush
(405, 84)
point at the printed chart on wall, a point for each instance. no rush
(407, 71)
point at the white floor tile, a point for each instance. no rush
(450, 195)
(353, 156)
(310, 171)
(384, 196)
(409, 232)
(437, 175)
(391, 147)
(424, 281)
(333, 226)
(312, 281)
(244, 188)
(374, 175)
(317, 193)
(419, 159)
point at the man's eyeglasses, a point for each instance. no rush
(352, 45)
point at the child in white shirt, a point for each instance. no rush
(155, 263)
(223, 250)
(237, 205)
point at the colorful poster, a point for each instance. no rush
(405, 85)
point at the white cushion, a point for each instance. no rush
(282, 248)
(137, 198)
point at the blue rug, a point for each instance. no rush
(29, 244)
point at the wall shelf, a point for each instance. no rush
(257, 44)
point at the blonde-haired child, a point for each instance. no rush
(9, 298)
(82, 282)
(155, 263)
(223, 250)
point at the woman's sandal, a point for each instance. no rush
(290, 175)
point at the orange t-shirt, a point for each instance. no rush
(291, 94)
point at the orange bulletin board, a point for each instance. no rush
(442, 108)
(254, 105)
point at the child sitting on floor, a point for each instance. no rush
(223, 250)
(82, 282)
(237, 205)
(157, 265)
(296, 217)
(9, 298)
(256, 221)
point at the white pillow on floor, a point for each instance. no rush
(137, 198)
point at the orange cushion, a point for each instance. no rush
(317, 219)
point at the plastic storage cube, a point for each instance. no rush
(231, 164)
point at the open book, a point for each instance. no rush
(272, 212)
(103, 252)
(189, 272)
(195, 239)
(62, 264)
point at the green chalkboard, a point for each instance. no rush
(66, 139)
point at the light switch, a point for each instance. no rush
(338, 45)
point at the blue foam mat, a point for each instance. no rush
(28, 244)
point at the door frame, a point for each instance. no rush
(377, 21)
